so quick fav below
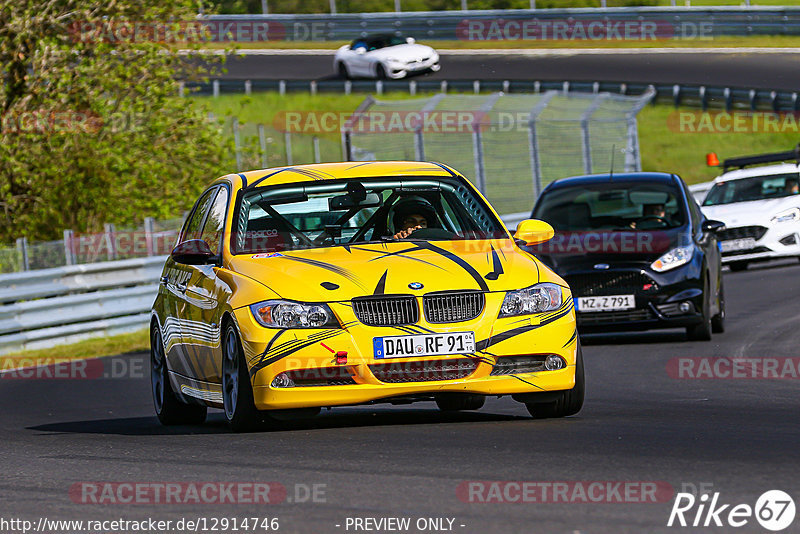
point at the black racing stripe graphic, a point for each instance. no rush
(330, 286)
(508, 334)
(302, 345)
(273, 340)
(497, 266)
(529, 383)
(244, 180)
(361, 164)
(571, 339)
(458, 261)
(402, 254)
(265, 177)
(380, 289)
(328, 267)
(446, 168)
(347, 248)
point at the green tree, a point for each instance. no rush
(92, 128)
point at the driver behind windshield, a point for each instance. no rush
(652, 211)
(412, 214)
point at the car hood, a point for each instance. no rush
(405, 52)
(752, 213)
(578, 251)
(341, 273)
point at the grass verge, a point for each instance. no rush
(90, 348)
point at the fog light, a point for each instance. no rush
(282, 381)
(685, 307)
(554, 363)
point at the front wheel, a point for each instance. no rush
(169, 409)
(569, 402)
(237, 391)
(342, 70)
(718, 321)
(702, 331)
(380, 72)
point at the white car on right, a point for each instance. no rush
(760, 207)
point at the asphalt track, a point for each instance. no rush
(638, 424)
(778, 71)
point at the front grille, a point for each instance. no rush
(386, 311)
(513, 365)
(600, 318)
(742, 232)
(453, 307)
(427, 371)
(324, 376)
(754, 250)
(611, 283)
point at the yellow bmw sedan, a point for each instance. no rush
(337, 284)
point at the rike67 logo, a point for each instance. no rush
(774, 510)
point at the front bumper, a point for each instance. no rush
(781, 240)
(397, 71)
(271, 352)
(658, 297)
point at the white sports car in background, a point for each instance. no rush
(761, 211)
(384, 56)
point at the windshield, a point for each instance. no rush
(376, 43)
(612, 206)
(348, 212)
(754, 188)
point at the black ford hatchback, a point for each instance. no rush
(636, 251)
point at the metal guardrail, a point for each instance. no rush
(66, 304)
(700, 96)
(671, 22)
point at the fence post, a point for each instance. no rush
(587, 146)
(412, 88)
(248, 87)
(262, 142)
(287, 141)
(111, 242)
(333, 7)
(282, 87)
(22, 247)
(149, 230)
(69, 253)
(315, 144)
(533, 142)
(264, 7)
(346, 152)
(236, 144)
(312, 87)
(215, 88)
(181, 88)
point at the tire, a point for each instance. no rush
(460, 401)
(237, 391)
(718, 321)
(737, 266)
(569, 403)
(342, 70)
(380, 72)
(169, 409)
(702, 331)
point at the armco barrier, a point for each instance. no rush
(65, 304)
(671, 22)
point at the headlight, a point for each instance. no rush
(674, 258)
(288, 314)
(792, 214)
(535, 299)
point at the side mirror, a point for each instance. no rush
(410, 40)
(533, 232)
(193, 252)
(712, 226)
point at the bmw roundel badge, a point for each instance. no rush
(415, 285)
